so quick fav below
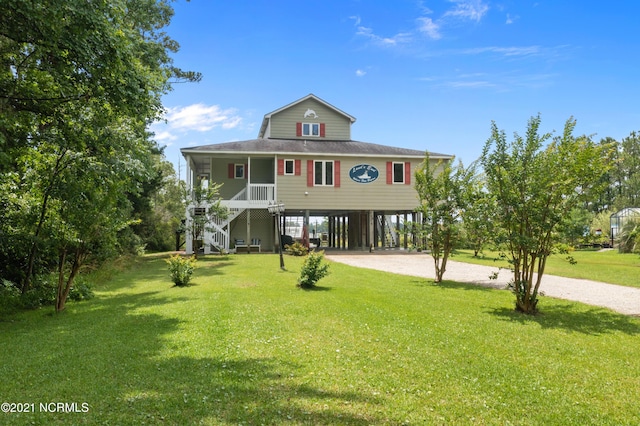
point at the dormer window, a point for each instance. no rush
(311, 129)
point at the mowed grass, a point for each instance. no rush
(243, 345)
(607, 266)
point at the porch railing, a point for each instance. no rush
(262, 193)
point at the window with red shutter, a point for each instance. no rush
(289, 168)
(389, 173)
(336, 174)
(298, 167)
(398, 172)
(280, 167)
(238, 171)
(324, 172)
(298, 129)
(323, 130)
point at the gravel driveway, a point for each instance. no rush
(622, 299)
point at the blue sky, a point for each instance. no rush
(427, 75)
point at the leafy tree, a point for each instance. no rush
(477, 217)
(441, 190)
(79, 83)
(157, 205)
(610, 181)
(86, 224)
(536, 185)
(574, 228)
(629, 172)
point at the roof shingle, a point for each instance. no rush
(324, 147)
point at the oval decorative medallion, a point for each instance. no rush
(364, 173)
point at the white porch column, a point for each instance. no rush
(189, 182)
(248, 169)
(188, 239)
(188, 173)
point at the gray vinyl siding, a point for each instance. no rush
(296, 195)
(283, 124)
(377, 195)
(220, 174)
(261, 171)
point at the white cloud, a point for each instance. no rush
(360, 73)
(505, 81)
(511, 19)
(468, 9)
(201, 117)
(367, 32)
(462, 84)
(506, 51)
(164, 136)
(430, 28)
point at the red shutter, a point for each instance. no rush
(322, 130)
(246, 171)
(336, 174)
(309, 172)
(231, 171)
(280, 167)
(389, 173)
(298, 129)
(298, 168)
(407, 173)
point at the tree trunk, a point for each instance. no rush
(439, 270)
(43, 212)
(63, 290)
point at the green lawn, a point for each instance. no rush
(607, 266)
(243, 345)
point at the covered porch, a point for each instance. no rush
(248, 187)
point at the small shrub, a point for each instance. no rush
(81, 290)
(9, 296)
(312, 270)
(42, 292)
(181, 269)
(297, 249)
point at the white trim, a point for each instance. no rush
(393, 172)
(324, 172)
(310, 132)
(235, 171)
(293, 167)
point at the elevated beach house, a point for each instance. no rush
(305, 159)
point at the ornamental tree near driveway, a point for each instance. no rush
(442, 191)
(536, 185)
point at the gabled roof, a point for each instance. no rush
(267, 117)
(296, 146)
